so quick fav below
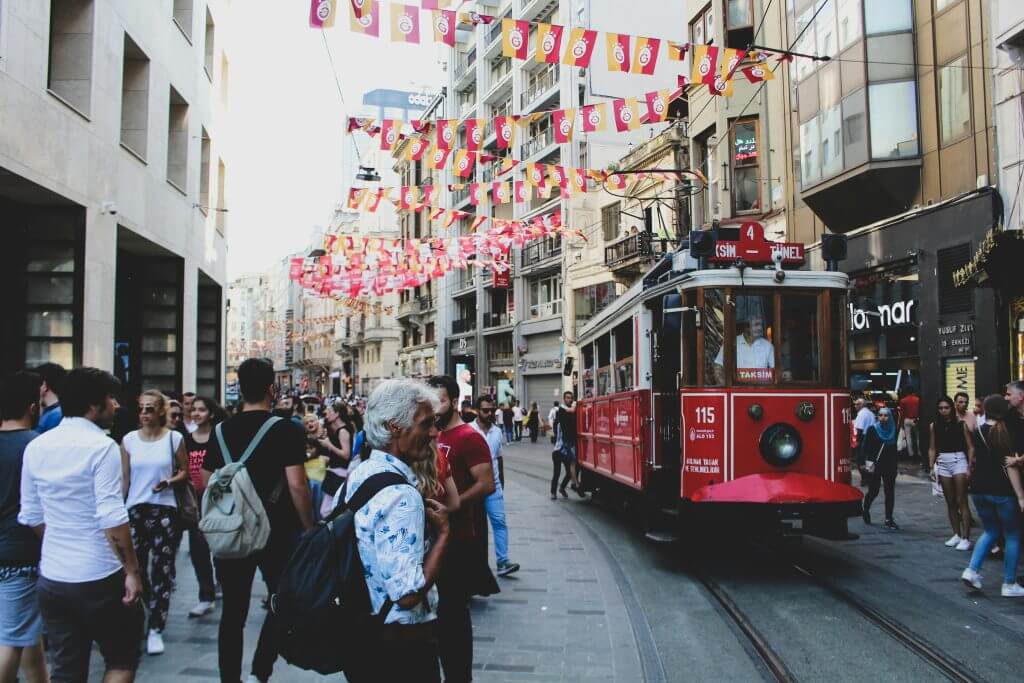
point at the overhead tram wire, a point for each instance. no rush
(337, 82)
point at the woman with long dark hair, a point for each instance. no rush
(153, 460)
(998, 497)
(205, 415)
(337, 446)
(533, 422)
(880, 464)
(951, 456)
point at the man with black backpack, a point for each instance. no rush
(273, 454)
(400, 553)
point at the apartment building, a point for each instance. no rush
(892, 144)
(512, 340)
(113, 187)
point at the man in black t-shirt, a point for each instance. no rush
(1015, 418)
(279, 477)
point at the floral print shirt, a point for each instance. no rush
(391, 539)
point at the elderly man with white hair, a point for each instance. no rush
(391, 532)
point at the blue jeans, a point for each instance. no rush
(495, 506)
(998, 514)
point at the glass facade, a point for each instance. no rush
(872, 42)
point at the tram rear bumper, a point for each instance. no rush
(790, 494)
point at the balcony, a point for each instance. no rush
(492, 320)
(465, 69)
(424, 304)
(537, 143)
(545, 82)
(407, 308)
(546, 310)
(465, 282)
(460, 196)
(501, 357)
(630, 256)
(463, 325)
(540, 251)
(494, 32)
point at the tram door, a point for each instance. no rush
(665, 344)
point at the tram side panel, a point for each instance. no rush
(841, 467)
(614, 440)
(703, 431)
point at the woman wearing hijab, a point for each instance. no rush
(880, 464)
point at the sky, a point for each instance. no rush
(286, 121)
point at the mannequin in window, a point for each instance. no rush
(753, 351)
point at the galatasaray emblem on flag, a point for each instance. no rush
(515, 38)
(474, 133)
(504, 127)
(657, 106)
(444, 27)
(321, 13)
(618, 52)
(364, 17)
(463, 163)
(580, 48)
(445, 133)
(645, 59)
(439, 158)
(522, 191)
(595, 118)
(563, 121)
(389, 131)
(626, 115)
(535, 175)
(416, 149)
(705, 64)
(405, 24)
(549, 43)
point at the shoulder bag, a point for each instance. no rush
(184, 493)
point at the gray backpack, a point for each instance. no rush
(234, 521)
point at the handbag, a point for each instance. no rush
(869, 465)
(184, 493)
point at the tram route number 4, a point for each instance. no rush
(753, 248)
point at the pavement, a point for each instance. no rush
(562, 617)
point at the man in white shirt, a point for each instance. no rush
(89, 584)
(186, 403)
(754, 355)
(495, 503)
(553, 421)
(517, 420)
(862, 422)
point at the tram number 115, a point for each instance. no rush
(705, 415)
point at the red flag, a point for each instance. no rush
(627, 117)
(445, 133)
(439, 158)
(436, 4)
(549, 43)
(505, 128)
(474, 133)
(618, 52)
(522, 191)
(464, 161)
(580, 48)
(416, 149)
(645, 58)
(355, 197)
(364, 17)
(444, 27)
(477, 193)
(563, 121)
(515, 41)
(321, 13)
(657, 106)
(595, 118)
(389, 132)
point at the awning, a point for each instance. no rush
(996, 262)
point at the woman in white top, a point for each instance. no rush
(153, 460)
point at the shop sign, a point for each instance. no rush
(956, 339)
(886, 315)
(544, 364)
(960, 376)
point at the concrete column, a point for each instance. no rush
(100, 273)
(189, 322)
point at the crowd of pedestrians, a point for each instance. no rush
(96, 500)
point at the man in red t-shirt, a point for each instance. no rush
(910, 405)
(466, 572)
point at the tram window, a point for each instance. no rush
(755, 347)
(801, 355)
(714, 331)
(604, 365)
(624, 356)
(689, 340)
(587, 376)
(840, 325)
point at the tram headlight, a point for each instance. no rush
(780, 444)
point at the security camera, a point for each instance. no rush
(108, 208)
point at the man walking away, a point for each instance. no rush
(553, 422)
(465, 570)
(494, 504)
(862, 422)
(49, 395)
(517, 420)
(278, 474)
(565, 453)
(910, 406)
(21, 625)
(400, 570)
(89, 584)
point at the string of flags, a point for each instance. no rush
(711, 65)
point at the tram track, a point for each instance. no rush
(759, 646)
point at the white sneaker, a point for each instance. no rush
(971, 579)
(952, 542)
(964, 544)
(155, 643)
(202, 609)
(1013, 590)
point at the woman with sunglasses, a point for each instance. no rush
(153, 460)
(176, 416)
(951, 456)
(206, 415)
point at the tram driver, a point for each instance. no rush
(754, 354)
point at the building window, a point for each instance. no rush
(546, 297)
(211, 31)
(183, 17)
(893, 119)
(887, 16)
(134, 98)
(610, 221)
(70, 67)
(850, 24)
(702, 28)
(591, 300)
(704, 202)
(739, 23)
(209, 343)
(177, 141)
(428, 333)
(746, 181)
(225, 79)
(954, 100)
(204, 173)
(943, 4)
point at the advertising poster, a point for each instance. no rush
(464, 376)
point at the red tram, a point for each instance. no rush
(717, 389)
